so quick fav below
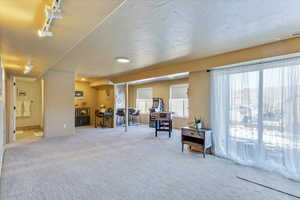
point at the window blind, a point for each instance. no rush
(144, 93)
(179, 91)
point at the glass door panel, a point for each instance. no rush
(272, 121)
(243, 137)
(281, 99)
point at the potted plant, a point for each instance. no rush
(197, 123)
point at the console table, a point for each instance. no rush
(201, 139)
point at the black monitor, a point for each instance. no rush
(157, 106)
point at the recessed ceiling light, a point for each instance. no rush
(122, 60)
(83, 79)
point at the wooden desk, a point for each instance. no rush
(202, 140)
(163, 122)
(163, 125)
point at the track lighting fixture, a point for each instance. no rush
(51, 12)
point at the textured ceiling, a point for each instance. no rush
(148, 32)
(20, 20)
(155, 31)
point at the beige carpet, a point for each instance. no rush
(108, 164)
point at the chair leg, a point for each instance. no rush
(156, 127)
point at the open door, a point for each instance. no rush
(14, 97)
(27, 108)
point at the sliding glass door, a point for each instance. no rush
(256, 115)
(243, 116)
(281, 119)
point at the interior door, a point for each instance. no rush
(14, 98)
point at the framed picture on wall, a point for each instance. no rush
(79, 94)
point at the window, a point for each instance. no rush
(144, 99)
(179, 103)
(256, 115)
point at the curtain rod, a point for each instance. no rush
(254, 62)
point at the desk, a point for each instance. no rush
(163, 122)
(202, 139)
(163, 125)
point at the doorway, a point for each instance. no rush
(28, 108)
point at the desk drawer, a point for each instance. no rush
(192, 133)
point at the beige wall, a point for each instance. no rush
(199, 82)
(89, 100)
(59, 103)
(94, 97)
(105, 96)
(33, 91)
(199, 96)
(198, 93)
(160, 89)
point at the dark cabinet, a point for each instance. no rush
(82, 117)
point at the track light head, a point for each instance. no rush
(44, 33)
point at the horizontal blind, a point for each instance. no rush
(144, 93)
(179, 91)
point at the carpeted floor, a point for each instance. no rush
(108, 164)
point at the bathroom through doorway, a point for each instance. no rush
(28, 109)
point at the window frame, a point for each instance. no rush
(185, 100)
(146, 101)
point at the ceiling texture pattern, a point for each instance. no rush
(92, 34)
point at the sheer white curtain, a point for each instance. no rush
(256, 115)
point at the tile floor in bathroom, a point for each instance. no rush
(29, 134)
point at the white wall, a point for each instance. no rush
(59, 103)
(2, 131)
(2, 113)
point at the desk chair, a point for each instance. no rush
(121, 115)
(105, 116)
(136, 115)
